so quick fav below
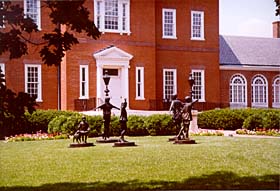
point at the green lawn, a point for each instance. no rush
(212, 163)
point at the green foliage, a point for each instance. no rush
(136, 126)
(160, 125)
(12, 109)
(263, 119)
(232, 119)
(55, 42)
(95, 123)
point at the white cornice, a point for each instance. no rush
(251, 68)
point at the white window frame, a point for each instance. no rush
(238, 91)
(170, 24)
(261, 98)
(276, 92)
(84, 83)
(38, 13)
(201, 31)
(3, 26)
(123, 17)
(140, 83)
(2, 66)
(39, 87)
(174, 71)
(200, 87)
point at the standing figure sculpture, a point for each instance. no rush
(186, 113)
(123, 120)
(176, 107)
(107, 107)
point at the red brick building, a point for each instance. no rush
(148, 54)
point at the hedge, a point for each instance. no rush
(232, 119)
(66, 122)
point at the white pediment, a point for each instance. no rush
(112, 53)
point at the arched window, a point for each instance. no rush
(238, 91)
(259, 91)
(276, 92)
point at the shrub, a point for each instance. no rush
(136, 126)
(159, 124)
(220, 119)
(55, 125)
(232, 119)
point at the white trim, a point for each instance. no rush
(38, 21)
(141, 83)
(251, 68)
(202, 83)
(86, 81)
(253, 87)
(39, 93)
(2, 66)
(174, 80)
(173, 36)
(112, 57)
(201, 13)
(238, 104)
(276, 87)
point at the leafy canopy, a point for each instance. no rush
(18, 29)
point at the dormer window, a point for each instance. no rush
(112, 16)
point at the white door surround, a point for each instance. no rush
(112, 58)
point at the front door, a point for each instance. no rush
(116, 92)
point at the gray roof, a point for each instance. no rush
(249, 51)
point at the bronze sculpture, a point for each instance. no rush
(107, 107)
(186, 113)
(123, 120)
(176, 107)
(82, 132)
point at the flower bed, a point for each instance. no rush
(206, 132)
(35, 137)
(270, 132)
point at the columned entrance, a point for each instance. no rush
(116, 62)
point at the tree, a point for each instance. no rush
(71, 14)
(12, 109)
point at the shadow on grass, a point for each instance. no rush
(217, 181)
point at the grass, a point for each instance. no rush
(213, 163)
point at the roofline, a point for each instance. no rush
(250, 68)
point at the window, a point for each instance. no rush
(238, 91)
(276, 92)
(140, 83)
(198, 87)
(169, 23)
(112, 15)
(84, 82)
(169, 83)
(32, 10)
(2, 68)
(197, 25)
(2, 20)
(259, 91)
(33, 82)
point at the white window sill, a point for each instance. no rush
(198, 39)
(169, 37)
(83, 97)
(115, 31)
(139, 98)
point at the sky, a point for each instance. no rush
(247, 17)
